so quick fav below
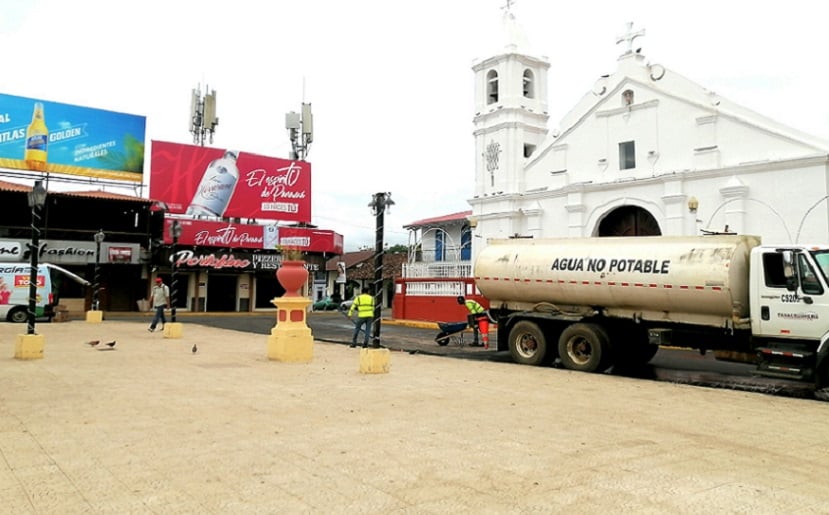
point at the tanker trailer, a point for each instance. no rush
(594, 302)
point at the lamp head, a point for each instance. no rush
(37, 197)
(693, 204)
(99, 236)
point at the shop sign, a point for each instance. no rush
(120, 255)
(266, 261)
(188, 258)
(206, 233)
(10, 251)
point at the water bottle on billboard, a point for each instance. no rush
(216, 187)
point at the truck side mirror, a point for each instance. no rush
(789, 271)
(788, 264)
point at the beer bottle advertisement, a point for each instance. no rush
(36, 140)
(44, 136)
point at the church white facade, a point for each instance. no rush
(645, 152)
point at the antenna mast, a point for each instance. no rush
(203, 119)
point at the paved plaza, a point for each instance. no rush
(151, 427)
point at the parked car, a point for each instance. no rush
(326, 304)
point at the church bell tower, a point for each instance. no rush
(510, 112)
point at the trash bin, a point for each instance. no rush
(143, 305)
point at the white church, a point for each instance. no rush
(645, 152)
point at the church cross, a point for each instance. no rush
(629, 36)
(507, 6)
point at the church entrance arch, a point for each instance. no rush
(629, 221)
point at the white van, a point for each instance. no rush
(14, 290)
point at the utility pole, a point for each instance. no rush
(380, 204)
(203, 119)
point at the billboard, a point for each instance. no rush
(205, 233)
(42, 136)
(220, 183)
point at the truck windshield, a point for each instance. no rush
(822, 259)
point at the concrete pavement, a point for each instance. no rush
(150, 427)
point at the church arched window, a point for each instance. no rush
(529, 84)
(627, 97)
(492, 87)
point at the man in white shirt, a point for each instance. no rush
(159, 300)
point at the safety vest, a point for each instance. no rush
(474, 307)
(364, 304)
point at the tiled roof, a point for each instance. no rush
(360, 264)
(13, 186)
(454, 217)
(104, 195)
(350, 259)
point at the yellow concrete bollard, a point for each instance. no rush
(374, 361)
(29, 346)
(173, 330)
(94, 317)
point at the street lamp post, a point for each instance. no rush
(380, 204)
(175, 233)
(37, 199)
(99, 238)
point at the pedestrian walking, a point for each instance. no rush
(159, 300)
(364, 304)
(478, 319)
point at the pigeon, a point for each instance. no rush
(194, 349)
(111, 344)
(93, 343)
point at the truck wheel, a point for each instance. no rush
(527, 344)
(585, 347)
(18, 315)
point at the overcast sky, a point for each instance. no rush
(390, 81)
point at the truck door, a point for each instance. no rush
(793, 307)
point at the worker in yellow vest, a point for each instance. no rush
(364, 304)
(478, 320)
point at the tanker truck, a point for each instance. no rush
(592, 303)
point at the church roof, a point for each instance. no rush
(634, 69)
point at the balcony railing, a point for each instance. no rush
(435, 289)
(437, 269)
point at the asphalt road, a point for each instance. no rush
(670, 365)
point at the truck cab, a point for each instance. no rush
(789, 301)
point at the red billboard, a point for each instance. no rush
(204, 233)
(215, 182)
